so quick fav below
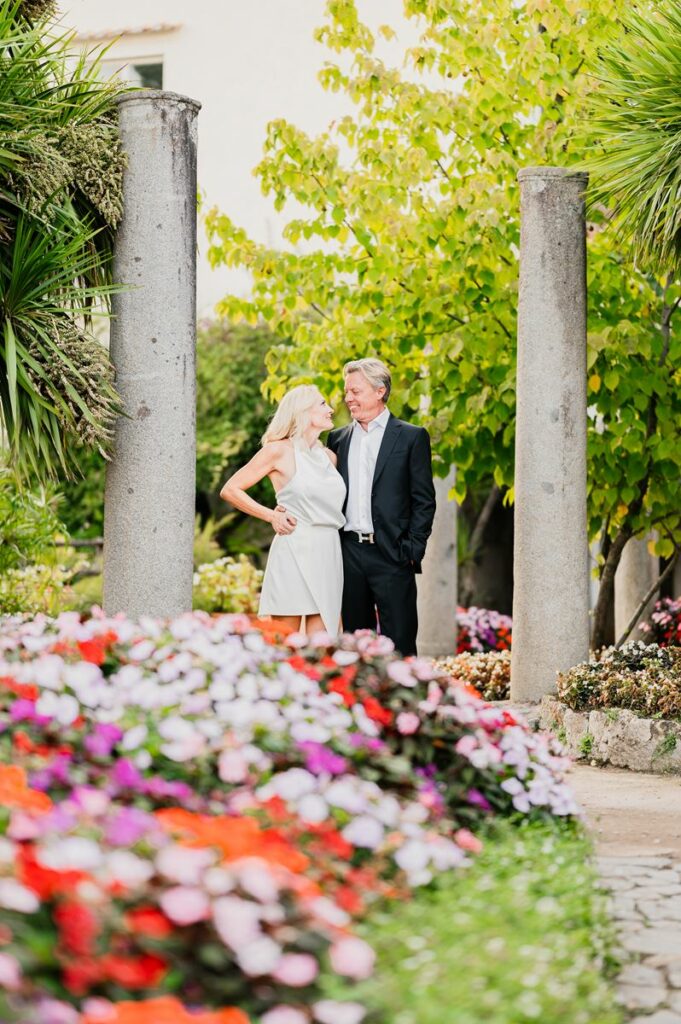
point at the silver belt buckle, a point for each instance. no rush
(365, 538)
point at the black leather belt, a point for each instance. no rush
(360, 538)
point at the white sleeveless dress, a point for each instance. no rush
(304, 572)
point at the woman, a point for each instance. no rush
(304, 574)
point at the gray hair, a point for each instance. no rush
(373, 370)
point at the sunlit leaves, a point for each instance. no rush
(407, 233)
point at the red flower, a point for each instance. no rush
(300, 665)
(145, 971)
(376, 712)
(342, 687)
(92, 650)
(81, 975)
(349, 900)
(78, 928)
(148, 921)
(45, 882)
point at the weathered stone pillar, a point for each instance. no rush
(551, 583)
(437, 586)
(149, 505)
(635, 575)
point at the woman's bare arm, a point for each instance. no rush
(261, 465)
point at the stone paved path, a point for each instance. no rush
(636, 822)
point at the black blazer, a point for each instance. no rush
(402, 494)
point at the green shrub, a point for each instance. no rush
(36, 588)
(29, 524)
(227, 585)
(645, 678)
(489, 673)
(522, 936)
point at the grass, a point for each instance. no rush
(520, 938)
(586, 745)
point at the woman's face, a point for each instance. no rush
(321, 415)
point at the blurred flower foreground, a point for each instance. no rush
(194, 815)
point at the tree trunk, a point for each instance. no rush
(477, 537)
(606, 590)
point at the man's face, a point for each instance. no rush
(364, 402)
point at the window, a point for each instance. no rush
(146, 72)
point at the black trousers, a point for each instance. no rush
(373, 584)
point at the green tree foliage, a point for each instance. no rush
(410, 225)
(60, 199)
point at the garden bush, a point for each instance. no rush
(645, 678)
(193, 816)
(227, 585)
(664, 626)
(482, 629)
(489, 674)
(32, 573)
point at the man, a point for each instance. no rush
(389, 509)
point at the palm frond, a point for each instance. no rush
(635, 133)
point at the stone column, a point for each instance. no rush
(149, 503)
(437, 586)
(551, 583)
(635, 575)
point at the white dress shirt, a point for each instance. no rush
(364, 445)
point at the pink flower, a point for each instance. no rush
(296, 969)
(232, 766)
(467, 841)
(328, 1011)
(353, 958)
(100, 1008)
(10, 972)
(185, 905)
(407, 723)
(284, 1015)
(466, 745)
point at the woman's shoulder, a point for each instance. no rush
(275, 451)
(333, 458)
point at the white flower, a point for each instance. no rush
(134, 738)
(64, 708)
(313, 808)
(259, 957)
(71, 853)
(183, 864)
(14, 896)
(364, 831)
(237, 921)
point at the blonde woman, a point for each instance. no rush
(304, 573)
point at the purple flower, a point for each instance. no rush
(368, 742)
(475, 797)
(128, 826)
(167, 788)
(126, 775)
(101, 742)
(23, 711)
(319, 759)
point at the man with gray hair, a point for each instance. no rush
(389, 510)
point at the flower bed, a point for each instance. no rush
(644, 678)
(664, 627)
(482, 629)
(194, 816)
(489, 674)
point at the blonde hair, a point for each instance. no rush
(293, 414)
(373, 370)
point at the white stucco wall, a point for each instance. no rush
(247, 62)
